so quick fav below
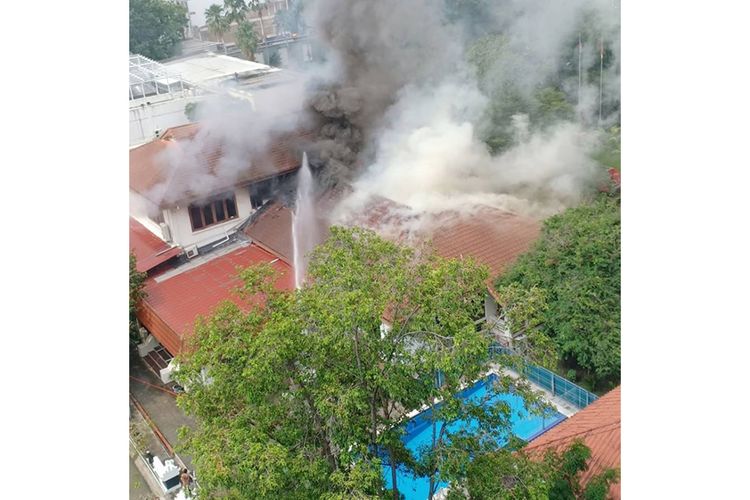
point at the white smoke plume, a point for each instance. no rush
(241, 128)
(401, 114)
(423, 107)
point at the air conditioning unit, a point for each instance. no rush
(166, 234)
(191, 251)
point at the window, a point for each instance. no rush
(260, 193)
(212, 211)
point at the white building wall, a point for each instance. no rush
(145, 212)
(178, 220)
(146, 119)
(492, 316)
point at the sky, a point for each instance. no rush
(199, 7)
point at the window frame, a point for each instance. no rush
(202, 205)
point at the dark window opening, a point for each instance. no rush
(219, 209)
(260, 193)
(208, 212)
(231, 208)
(195, 217)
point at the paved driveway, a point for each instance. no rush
(160, 406)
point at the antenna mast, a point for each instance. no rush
(579, 68)
(601, 76)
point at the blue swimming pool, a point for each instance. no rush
(418, 432)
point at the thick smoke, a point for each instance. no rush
(429, 158)
(242, 125)
(375, 48)
(401, 113)
(405, 116)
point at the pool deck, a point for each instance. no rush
(559, 403)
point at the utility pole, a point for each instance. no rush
(601, 76)
(580, 48)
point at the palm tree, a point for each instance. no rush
(236, 11)
(247, 39)
(258, 7)
(216, 21)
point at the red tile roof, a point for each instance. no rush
(273, 229)
(493, 237)
(149, 249)
(598, 425)
(150, 168)
(172, 305)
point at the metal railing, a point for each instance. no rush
(554, 383)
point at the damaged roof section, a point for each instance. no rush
(186, 162)
(491, 236)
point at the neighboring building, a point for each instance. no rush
(158, 97)
(160, 92)
(208, 69)
(193, 46)
(264, 23)
(598, 425)
(290, 48)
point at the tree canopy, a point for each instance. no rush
(155, 27)
(291, 20)
(137, 293)
(217, 22)
(247, 39)
(302, 397)
(576, 262)
(511, 474)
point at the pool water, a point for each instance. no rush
(418, 433)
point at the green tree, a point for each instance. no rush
(496, 66)
(511, 474)
(191, 110)
(474, 16)
(137, 293)
(247, 39)
(551, 105)
(301, 398)
(275, 59)
(576, 261)
(236, 11)
(290, 20)
(257, 6)
(608, 152)
(155, 27)
(565, 475)
(522, 313)
(217, 22)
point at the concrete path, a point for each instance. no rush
(160, 406)
(139, 490)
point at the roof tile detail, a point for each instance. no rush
(172, 306)
(149, 249)
(154, 177)
(598, 425)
